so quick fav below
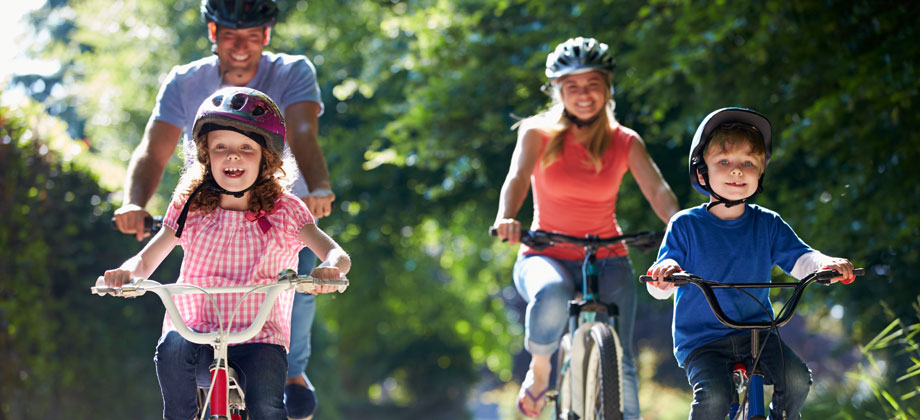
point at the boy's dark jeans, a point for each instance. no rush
(709, 371)
(262, 368)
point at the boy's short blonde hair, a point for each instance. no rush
(734, 134)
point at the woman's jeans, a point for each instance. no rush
(709, 373)
(302, 314)
(260, 366)
(547, 284)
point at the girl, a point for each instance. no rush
(575, 155)
(237, 225)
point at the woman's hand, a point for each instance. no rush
(326, 273)
(508, 230)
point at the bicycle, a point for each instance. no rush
(588, 382)
(749, 395)
(224, 395)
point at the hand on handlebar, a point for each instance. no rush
(660, 271)
(842, 266)
(509, 230)
(130, 219)
(326, 273)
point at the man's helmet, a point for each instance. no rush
(247, 111)
(239, 14)
(703, 134)
(579, 55)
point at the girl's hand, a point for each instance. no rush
(326, 273)
(662, 270)
(117, 277)
(509, 230)
(842, 266)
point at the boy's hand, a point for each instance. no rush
(117, 277)
(842, 266)
(660, 271)
(326, 273)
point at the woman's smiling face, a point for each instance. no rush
(584, 95)
(235, 159)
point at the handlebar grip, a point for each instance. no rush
(679, 279)
(825, 276)
(152, 224)
(493, 231)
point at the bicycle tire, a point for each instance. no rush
(603, 399)
(563, 404)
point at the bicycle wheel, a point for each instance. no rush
(563, 380)
(602, 379)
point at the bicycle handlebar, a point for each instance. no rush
(707, 286)
(540, 239)
(287, 280)
(152, 224)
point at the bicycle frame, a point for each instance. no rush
(219, 390)
(574, 367)
(750, 388)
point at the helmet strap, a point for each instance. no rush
(211, 184)
(579, 122)
(704, 172)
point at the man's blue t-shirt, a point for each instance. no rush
(287, 79)
(742, 250)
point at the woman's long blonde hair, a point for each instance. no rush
(273, 168)
(554, 123)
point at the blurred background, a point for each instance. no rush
(420, 96)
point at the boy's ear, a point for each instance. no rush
(699, 175)
(212, 31)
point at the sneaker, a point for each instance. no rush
(299, 400)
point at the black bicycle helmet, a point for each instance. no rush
(703, 134)
(239, 14)
(579, 55)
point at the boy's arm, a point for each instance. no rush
(661, 289)
(810, 262)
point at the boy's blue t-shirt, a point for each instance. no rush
(287, 79)
(742, 250)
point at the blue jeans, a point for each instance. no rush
(260, 366)
(301, 320)
(547, 284)
(709, 373)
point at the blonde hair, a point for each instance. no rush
(554, 123)
(735, 134)
(272, 167)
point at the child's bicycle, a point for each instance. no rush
(223, 397)
(588, 382)
(748, 400)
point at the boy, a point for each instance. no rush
(728, 240)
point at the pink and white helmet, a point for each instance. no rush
(244, 110)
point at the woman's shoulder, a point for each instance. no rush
(620, 131)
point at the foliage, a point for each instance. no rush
(54, 240)
(419, 97)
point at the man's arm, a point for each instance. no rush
(302, 120)
(148, 162)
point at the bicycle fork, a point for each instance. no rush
(752, 394)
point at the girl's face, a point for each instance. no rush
(235, 159)
(584, 95)
(734, 172)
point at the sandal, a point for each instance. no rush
(537, 399)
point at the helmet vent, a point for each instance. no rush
(217, 100)
(238, 101)
(258, 110)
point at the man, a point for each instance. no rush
(239, 31)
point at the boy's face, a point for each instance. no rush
(235, 159)
(734, 171)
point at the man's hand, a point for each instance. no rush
(319, 202)
(130, 219)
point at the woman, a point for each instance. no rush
(575, 155)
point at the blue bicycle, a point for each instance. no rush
(748, 401)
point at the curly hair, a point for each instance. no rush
(262, 197)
